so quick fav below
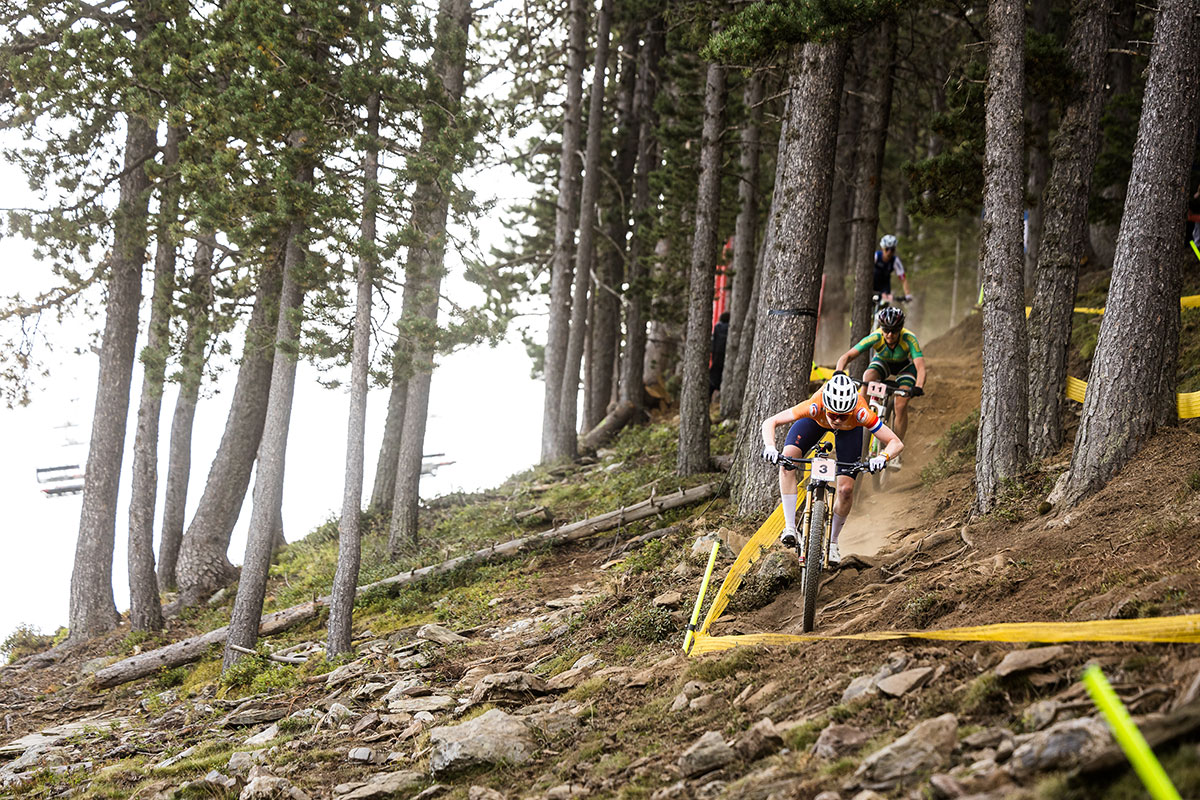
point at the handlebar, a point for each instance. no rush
(877, 297)
(894, 388)
(787, 462)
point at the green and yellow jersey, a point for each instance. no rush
(907, 347)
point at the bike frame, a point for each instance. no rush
(818, 492)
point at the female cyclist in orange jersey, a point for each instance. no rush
(838, 407)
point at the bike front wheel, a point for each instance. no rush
(813, 563)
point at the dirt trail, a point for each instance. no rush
(951, 392)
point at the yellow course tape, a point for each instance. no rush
(1184, 628)
(1189, 403)
(1192, 301)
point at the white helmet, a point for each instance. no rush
(888, 242)
(839, 394)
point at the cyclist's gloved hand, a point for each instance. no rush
(916, 391)
(877, 463)
(908, 298)
(770, 454)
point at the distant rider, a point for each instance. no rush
(887, 263)
(835, 407)
(896, 354)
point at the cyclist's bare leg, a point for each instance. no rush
(788, 492)
(843, 501)
(788, 480)
(901, 420)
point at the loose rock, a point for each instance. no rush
(511, 686)
(384, 785)
(903, 682)
(1060, 746)
(483, 793)
(488, 739)
(839, 740)
(709, 752)
(436, 633)
(761, 739)
(926, 747)
(1020, 660)
(266, 787)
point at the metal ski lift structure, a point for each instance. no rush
(66, 479)
(431, 467)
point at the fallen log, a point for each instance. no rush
(193, 649)
(610, 426)
(567, 533)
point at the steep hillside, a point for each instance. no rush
(559, 673)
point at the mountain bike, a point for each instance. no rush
(881, 399)
(878, 303)
(812, 541)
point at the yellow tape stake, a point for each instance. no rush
(1195, 249)
(1128, 736)
(700, 597)
(712, 560)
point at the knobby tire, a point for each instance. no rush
(812, 563)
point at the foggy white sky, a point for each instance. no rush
(490, 387)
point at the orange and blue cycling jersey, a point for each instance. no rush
(861, 416)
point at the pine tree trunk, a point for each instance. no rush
(1065, 226)
(272, 453)
(606, 335)
(745, 238)
(745, 353)
(1039, 153)
(92, 608)
(568, 410)
(556, 447)
(1126, 33)
(426, 262)
(203, 566)
(1001, 451)
(145, 610)
(872, 141)
(694, 422)
(383, 490)
(345, 578)
(633, 358)
(1136, 354)
(833, 331)
(179, 462)
(796, 230)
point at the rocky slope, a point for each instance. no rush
(561, 674)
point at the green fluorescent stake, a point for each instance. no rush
(712, 560)
(1195, 249)
(1144, 762)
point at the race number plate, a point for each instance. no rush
(877, 390)
(823, 469)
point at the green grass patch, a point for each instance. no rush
(256, 674)
(640, 620)
(27, 640)
(707, 670)
(956, 449)
(984, 695)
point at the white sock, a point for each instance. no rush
(838, 522)
(789, 509)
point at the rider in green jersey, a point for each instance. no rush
(895, 353)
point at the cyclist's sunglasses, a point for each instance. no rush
(834, 415)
